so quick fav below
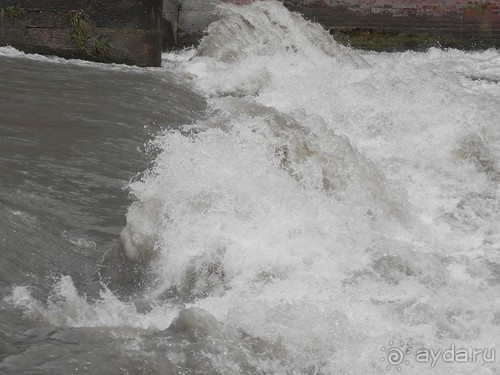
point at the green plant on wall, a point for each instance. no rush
(476, 6)
(102, 48)
(14, 11)
(77, 28)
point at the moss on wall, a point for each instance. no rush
(393, 41)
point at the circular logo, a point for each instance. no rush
(395, 355)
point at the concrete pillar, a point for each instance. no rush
(171, 17)
(187, 19)
(194, 17)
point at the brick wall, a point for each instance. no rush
(475, 22)
(122, 31)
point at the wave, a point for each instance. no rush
(268, 28)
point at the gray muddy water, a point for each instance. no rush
(71, 138)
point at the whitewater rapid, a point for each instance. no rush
(332, 204)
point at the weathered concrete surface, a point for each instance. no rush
(189, 18)
(121, 31)
(371, 23)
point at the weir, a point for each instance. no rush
(370, 24)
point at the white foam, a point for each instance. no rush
(336, 275)
(12, 52)
(67, 308)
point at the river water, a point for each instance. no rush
(268, 203)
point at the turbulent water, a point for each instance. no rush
(268, 203)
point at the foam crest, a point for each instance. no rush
(249, 165)
(268, 28)
(66, 307)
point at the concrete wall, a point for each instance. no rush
(189, 18)
(121, 31)
(371, 23)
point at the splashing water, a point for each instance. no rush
(331, 201)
